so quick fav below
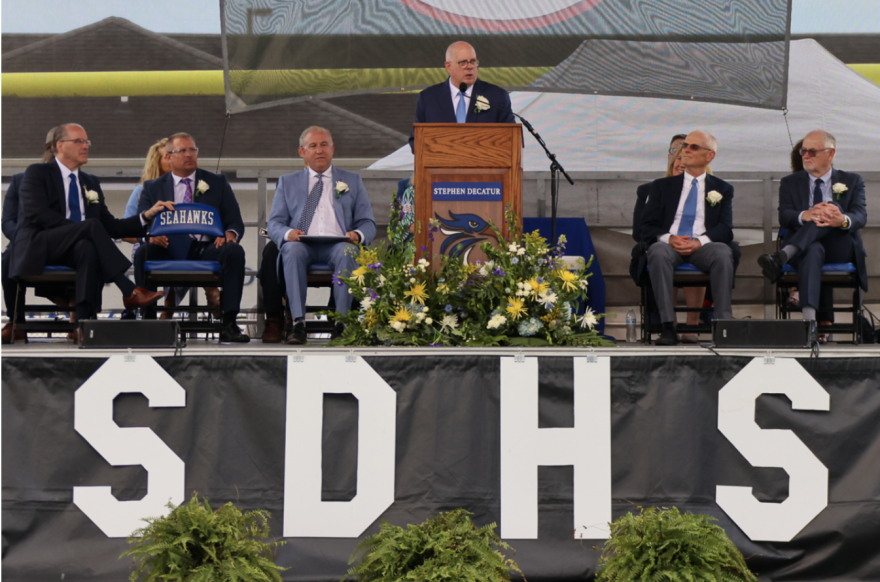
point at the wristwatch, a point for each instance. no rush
(845, 224)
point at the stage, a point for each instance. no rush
(552, 444)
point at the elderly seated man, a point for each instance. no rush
(319, 201)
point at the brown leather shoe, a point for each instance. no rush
(141, 298)
(20, 334)
(212, 296)
(273, 331)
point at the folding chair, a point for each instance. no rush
(685, 275)
(53, 276)
(178, 225)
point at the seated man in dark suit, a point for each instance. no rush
(822, 209)
(479, 102)
(187, 183)
(689, 218)
(65, 221)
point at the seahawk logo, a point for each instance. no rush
(462, 232)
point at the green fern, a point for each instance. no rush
(664, 545)
(196, 544)
(446, 547)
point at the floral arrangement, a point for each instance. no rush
(524, 295)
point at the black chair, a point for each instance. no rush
(685, 275)
(55, 279)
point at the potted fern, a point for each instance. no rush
(667, 545)
(197, 544)
(446, 547)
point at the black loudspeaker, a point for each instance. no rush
(763, 333)
(130, 334)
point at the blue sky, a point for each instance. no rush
(203, 16)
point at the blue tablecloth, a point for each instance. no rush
(580, 244)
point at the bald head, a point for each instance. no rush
(457, 53)
(698, 150)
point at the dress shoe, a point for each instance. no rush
(212, 296)
(668, 337)
(20, 334)
(298, 334)
(338, 330)
(141, 298)
(690, 338)
(771, 266)
(230, 333)
(273, 331)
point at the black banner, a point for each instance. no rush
(402, 438)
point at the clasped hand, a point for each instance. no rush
(824, 214)
(684, 245)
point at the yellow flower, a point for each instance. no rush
(367, 258)
(371, 318)
(359, 273)
(417, 293)
(537, 287)
(567, 278)
(515, 307)
(403, 315)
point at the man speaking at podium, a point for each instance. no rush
(462, 98)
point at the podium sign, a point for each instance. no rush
(466, 173)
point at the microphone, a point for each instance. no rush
(463, 87)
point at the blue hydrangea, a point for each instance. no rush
(529, 327)
(514, 260)
(448, 309)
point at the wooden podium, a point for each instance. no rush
(459, 168)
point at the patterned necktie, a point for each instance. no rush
(461, 110)
(817, 192)
(311, 205)
(689, 213)
(188, 195)
(73, 200)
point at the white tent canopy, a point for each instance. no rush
(602, 133)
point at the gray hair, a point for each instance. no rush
(58, 133)
(711, 142)
(50, 142)
(312, 129)
(830, 140)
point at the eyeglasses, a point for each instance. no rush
(79, 142)
(472, 62)
(673, 150)
(185, 151)
(804, 151)
(693, 147)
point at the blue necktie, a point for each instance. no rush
(689, 213)
(461, 110)
(73, 200)
(817, 192)
(311, 205)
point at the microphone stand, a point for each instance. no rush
(555, 168)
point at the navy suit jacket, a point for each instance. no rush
(659, 214)
(43, 206)
(795, 197)
(219, 195)
(353, 209)
(11, 207)
(435, 106)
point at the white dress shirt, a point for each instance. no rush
(700, 219)
(325, 221)
(65, 179)
(456, 95)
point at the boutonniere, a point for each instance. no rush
(201, 188)
(481, 104)
(341, 188)
(714, 197)
(839, 189)
(91, 196)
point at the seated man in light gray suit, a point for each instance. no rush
(318, 201)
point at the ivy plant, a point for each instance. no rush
(194, 543)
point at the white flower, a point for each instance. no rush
(398, 325)
(582, 283)
(201, 188)
(482, 104)
(449, 321)
(496, 321)
(341, 188)
(382, 280)
(714, 197)
(589, 319)
(487, 268)
(366, 303)
(512, 247)
(422, 265)
(91, 196)
(839, 189)
(420, 316)
(521, 251)
(350, 291)
(412, 279)
(547, 298)
(429, 321)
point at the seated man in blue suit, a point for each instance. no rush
(318, 201)
(480, 102)
(689, 219)
(186, 183)
(822, 209)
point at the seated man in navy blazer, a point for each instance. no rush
(186, 183)
(480, 102)
(65, 221)
(822, 210)
(319, 201)
(689, 219)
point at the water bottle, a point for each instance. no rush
(631, 326)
